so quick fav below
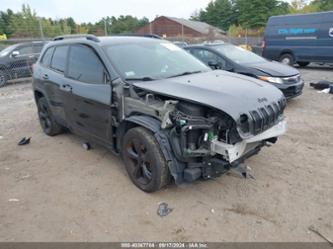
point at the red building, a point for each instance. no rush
(177, 27)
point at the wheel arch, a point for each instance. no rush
(38, 94)
(176, 168)
(287, 51)
(7, 72)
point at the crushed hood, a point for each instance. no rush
(273, 68)
(231, 93)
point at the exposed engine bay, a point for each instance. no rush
(208, 142)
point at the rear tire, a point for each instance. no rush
(3, 78)
(144, 161)
(46, 119)
(303, 63)
(287, 59)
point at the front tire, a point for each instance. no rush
(144, 161)
(46, 119)
(287, 59)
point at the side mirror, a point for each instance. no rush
(15, 53)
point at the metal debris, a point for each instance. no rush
(324, 86)
(86, 146)
(243, 171)
(24, 141)
(163, 209)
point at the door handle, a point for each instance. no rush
(66, 88)
(45, 77)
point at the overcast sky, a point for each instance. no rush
(94, 10)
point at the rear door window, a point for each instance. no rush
(85, 66)
(59, 58)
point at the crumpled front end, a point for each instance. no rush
(210, 142)
(204, 141)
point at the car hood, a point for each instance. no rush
(231, 93)
(273, 68)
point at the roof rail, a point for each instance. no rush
(87, 36)
(141, 35)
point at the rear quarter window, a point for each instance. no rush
(58, 61)
(46, 59)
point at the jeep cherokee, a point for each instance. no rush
(166, 113)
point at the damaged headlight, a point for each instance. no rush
(271, 79)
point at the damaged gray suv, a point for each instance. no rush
(167, 114)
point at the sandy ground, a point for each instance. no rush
(54, 190)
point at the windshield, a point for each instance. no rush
(5, 51)
(238, 55)
(151, 60)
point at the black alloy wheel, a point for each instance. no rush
(47, 122)
(144, 160)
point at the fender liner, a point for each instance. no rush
(176, 167)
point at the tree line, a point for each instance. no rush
(26, 23)
(235, 15)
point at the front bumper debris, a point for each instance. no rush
(233, 152)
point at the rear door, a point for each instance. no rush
(53, 65)
(88, 94)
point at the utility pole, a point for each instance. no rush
(105, 28)
(41, 28)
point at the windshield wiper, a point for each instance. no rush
(146, 78)
(185, 73)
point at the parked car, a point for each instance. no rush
(236, 59)
(165, 112)
(16, 61)
(299, 38)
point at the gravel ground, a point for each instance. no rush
(54, 190)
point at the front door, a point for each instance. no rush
(87, 94)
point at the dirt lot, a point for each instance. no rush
(54, 190)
